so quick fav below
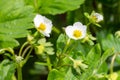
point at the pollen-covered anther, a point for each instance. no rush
(77, 33)
(42, 27)
(94, 17)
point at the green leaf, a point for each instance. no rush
(55, 75)
(92, 59)
(61, 43)
(7, 42)
(94, 54)
(102, 67)
(70, 75)
(87, 15)
(15, 19)
(56, 6)
(105, 55)
(7, 69)
(111, 42)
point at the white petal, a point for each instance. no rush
(48, 27)
(47, 34)
(99, 17)
(46, 20)
(83, 34)
(77, 24)
(37, 20)
(69, 31)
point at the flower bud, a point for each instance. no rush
(18, 58)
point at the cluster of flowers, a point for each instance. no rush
(75, 31)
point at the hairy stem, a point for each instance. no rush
(25, 51)
(49, 63)
(20, 52)
(19, 72)
(112, 62)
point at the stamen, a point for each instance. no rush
(42, 27)
(77, 33)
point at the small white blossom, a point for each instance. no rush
(79, 63)
(43, 25)
(97, 17)
(77, 31)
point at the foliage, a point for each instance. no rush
(14, 22)
(7, 69)
(75, 43)
(55, 6)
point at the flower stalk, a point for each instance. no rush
(19, 72)
(112, 62)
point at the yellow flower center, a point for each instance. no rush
(94, 17)
(42, 27)
(77, 33)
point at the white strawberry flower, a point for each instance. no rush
(97, 17)
(43, 25)
(77, 31)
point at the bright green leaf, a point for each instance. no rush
(70, 75)
(61, 43)
(7, 69)
(55, 75)
(111, 42)
(105, 55)
(92, 59)
(94, 54)
(15, 19)
(55, 6)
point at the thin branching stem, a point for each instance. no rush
(112, 62)
(20, 52)
(49, 63)
(25, 51)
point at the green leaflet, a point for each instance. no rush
(15, 19)
(96, 62)
(55, 75)
(111, 42)
(92, 59)
(55, 6)
(7, 69)
(61, 43)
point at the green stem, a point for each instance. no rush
(112, 63)
(66, 46)
(27, 57)
(88, 24)
(56, 30)
(36, 5)
(20, 52)
(41, 63)
(19, 72)
(69, 57)
(25, 51)
(49, 63)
